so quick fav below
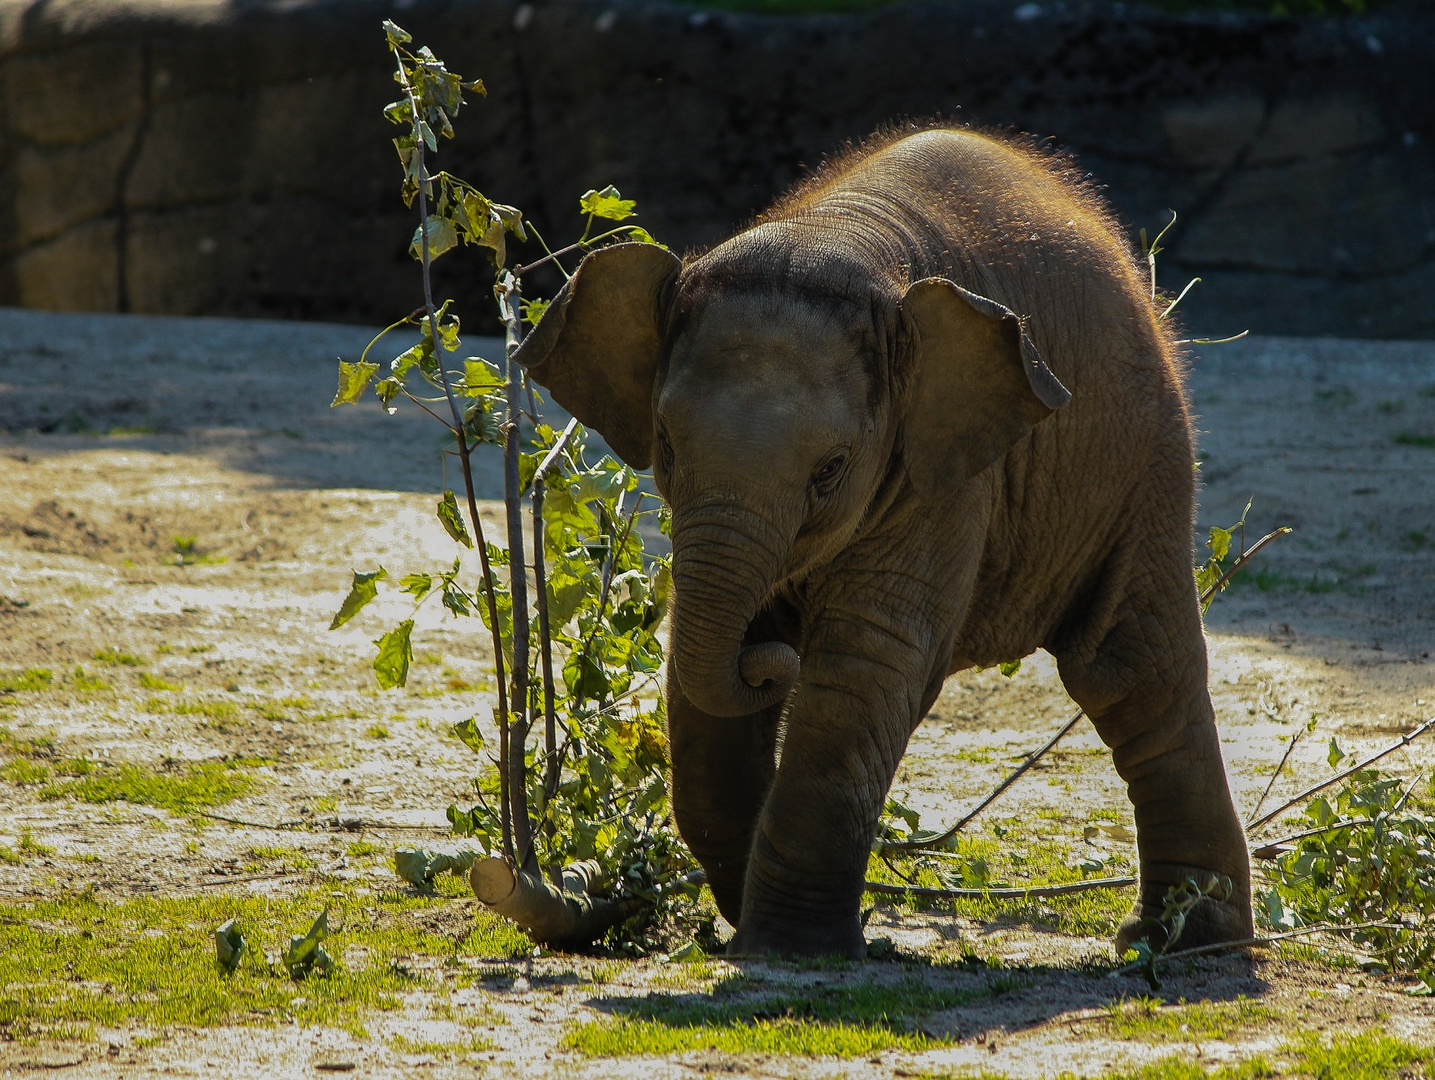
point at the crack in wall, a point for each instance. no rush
(125, 172)
(1202, 204)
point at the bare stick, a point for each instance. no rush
(1269, 939)
(1279, 768)
(1315, 788)
(517, 585)
(884, 889)
(1273, 850)
(1017, 774)
(1245, 557)
(545, 634)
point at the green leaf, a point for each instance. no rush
(396, 34)
(420, 355)
(229, 945)
(641, 235)
(607, 203)
(480, 378)
(353, 381)
(467, 732)
(441, 237)
(1010, 668)
(364, 589)
(1334, 755)
(533, 311)
(1219, 543)
(418, 585)
(387, 389)
(304, 952)
(483, 420)
(455, 600)
(391, 665)
(452, 522)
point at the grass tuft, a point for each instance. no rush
(204, 784)
(740, 1016)
(114, 657)
(13, 682)
(1150, 1019)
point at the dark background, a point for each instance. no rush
(230, 158)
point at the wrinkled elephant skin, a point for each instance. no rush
(921, 416)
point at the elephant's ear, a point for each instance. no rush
(596, 346)
(979, 385)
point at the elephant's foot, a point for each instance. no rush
(808, 937)
(1224, 914)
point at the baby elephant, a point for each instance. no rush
(921, 416)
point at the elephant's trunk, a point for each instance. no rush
(724, 565)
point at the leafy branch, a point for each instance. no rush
(579, 651)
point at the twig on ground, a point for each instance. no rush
(1296, 800)
(1269, 939)
(926, 893)
(942, 838)
(1275, 775)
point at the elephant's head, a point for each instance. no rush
(773, 403)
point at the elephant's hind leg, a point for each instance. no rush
(1135, 660)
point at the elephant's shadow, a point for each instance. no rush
(948, 1002)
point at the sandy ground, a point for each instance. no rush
(178, 490)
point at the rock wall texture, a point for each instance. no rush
(212, 157)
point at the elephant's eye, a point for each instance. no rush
(825, 478)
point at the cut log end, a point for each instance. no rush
(549, 915)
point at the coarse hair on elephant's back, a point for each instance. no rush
(945, 200)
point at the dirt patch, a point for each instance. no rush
(174, 574)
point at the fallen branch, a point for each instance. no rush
(884, 889)
(940, 839)
(1314, 789)
(1280, 768)
(343, 824)
(562, 918)
(1276, 848)
(1246, 556)
(1255, 942)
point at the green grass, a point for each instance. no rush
(283, 709)
(34, 746)
(1268, 580)
(87, 683)
(25, 771)
(213, 710)
(88, 958)
(12, 682)
(1017, 857)
(194, 787)
(1409, 438)
(1368, 1056)
(1152, 1020)
(290, 857)
(360, 849)
(377, 731)
(741, 1015)
(154, 682)
(444, 1051)
(115, 657)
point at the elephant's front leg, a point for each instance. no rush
(862, 690)
(722, 769)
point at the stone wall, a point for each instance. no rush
(206, 157)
